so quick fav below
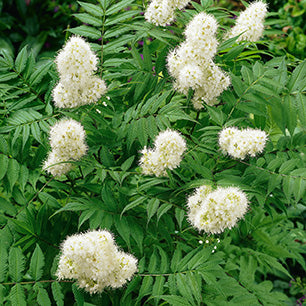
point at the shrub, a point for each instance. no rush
(152, 216)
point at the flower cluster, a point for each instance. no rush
(214, 211)
(67, 140)
(240, 143)
(250, 23)
(76, 64)
(192, 66)
(161, 12)
(95, 261)
(169, 147)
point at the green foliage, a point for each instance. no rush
(177, 265)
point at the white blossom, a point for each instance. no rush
(250, 23)
(214, 82)
(214, 211)
(74, 95)
(95, 261)
(169, 147)
(240, 143)
(67, 141)
(191, 64)
(76, 61)
(78, 86)
(67, 138)
(162, 12)
(56, 165)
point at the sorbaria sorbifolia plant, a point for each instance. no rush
(149, 164)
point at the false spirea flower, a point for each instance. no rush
(169, 147)
(94, 260)
(214, 211)
(76, 61)
(161, 12)
(76, 64)
(250, 23)
(191, 64)
(75, 95)
(240, 143)
(67, 141)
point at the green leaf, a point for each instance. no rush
(152, 207)
(3, 262)
(21, 59)
(78, 295)
(17, 296)
(42, 295)
(158, 286)
(25, 135)
(199, 259)
(12, 172)
(145, 288)
(57, 293)
(291, 114)
(40, 72)
(297, 78)
(16, 264)
(3, 165)
(8, 76)
(216, 115)
(37, 263)
(86, 18)
(299, 188)
(7, 207)
(72, 206)
(51, 201)
(35, 130)
(233, 53)
(92, 9)
(174, 300)
(162, 210)
(152, 262)
(120, 17)
(288, 166)
(183, 287)
(128, 163)
(133, 204)
(301, 107)
(123, 229)
(118, 7)
(86, 31)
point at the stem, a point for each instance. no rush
(272, 172)
(102, 37)
(41, 281)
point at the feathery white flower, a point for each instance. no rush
(75, 96)
(201, 34)
(190, 76)
(67, 141)
(76, 61)
(67, 138)
(192, 66)
(93, 259)
(150, 163)
(214, 211)
(159, 12)
(194, 201)
(250, 23)
(162, 12)
(56, 165)
(169, 147)
(240, 143)
(78, 86)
